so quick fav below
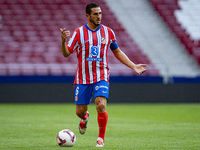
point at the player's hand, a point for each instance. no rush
(139, 68)
(64, 34)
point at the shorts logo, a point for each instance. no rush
(100, 86)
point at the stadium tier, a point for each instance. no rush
(30, 37)
(183, 19)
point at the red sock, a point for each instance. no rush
(102, 121)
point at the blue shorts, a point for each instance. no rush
(83, 92)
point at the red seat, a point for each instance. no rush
(32, 29)
(166, 9)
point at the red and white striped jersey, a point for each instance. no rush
(92, 48)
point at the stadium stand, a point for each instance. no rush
(154, 37)
(183, 19)
(30, 37)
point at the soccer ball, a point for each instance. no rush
(66, 138)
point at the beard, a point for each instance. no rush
(96, 24)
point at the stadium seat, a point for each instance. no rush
(30, 36)
(183, 19)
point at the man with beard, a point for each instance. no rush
(91, 42)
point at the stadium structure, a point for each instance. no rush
(164, 34)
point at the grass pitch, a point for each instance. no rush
(130, 126)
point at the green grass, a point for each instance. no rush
(130, 126)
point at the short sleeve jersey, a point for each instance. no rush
(92, 48)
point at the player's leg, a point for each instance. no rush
(81, 112)
(101, 91)
(102, 119)
(82, 96)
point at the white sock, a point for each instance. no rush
(99, 138)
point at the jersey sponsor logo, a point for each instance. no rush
(94, 53)
(93, 59)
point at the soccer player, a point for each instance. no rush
(91, 43)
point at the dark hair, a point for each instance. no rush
(90, 6)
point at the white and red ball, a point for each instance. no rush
(66, 138)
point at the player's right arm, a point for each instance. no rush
(64, 35)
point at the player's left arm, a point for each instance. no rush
(122, 57)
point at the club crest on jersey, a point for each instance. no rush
(76, 98)
(103, 40)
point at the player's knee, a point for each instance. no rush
(100, 105)
(80, 111)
